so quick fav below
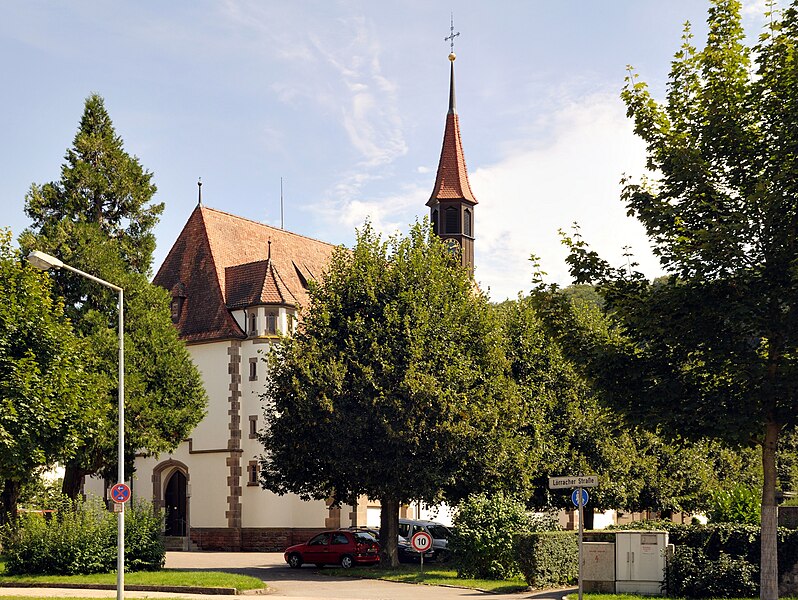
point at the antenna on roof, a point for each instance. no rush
(199, 191)
(282, 224)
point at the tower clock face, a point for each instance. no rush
(453, 246)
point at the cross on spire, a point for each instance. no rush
(450, 38)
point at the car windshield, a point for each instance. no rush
(439, 532)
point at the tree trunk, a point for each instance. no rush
(73, 481)
(8, 500)
(389, 532)
(769, 566)
(588, 514)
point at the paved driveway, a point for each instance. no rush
(306, 582)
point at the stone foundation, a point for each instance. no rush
(254, 539)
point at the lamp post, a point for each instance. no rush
(43, 261)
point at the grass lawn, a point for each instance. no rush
(165, 577)
(433, 575)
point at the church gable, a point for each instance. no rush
(189, 273)
(222, 262)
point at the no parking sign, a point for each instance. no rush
(120, 493)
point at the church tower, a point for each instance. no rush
(452, 202)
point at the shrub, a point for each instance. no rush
(692, 574)
(739, 504)
(81, 538)
(144, 548)
(482, 543)
(548, 558)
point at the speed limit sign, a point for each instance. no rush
(421, 541)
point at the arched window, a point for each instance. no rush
(435, 221)
(467, 223)
(452, 220)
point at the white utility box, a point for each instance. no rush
(640, 562)
(598, 567)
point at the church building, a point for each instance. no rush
(236, 286)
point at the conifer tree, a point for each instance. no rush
(99, 218)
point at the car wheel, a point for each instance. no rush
(294, 561)
(347, 561)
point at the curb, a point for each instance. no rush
(173, 589)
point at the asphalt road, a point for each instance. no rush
(306, 582)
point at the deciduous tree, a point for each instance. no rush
(48, 399)
(395, 386)
(713, 349)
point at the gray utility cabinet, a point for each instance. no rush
(640, 562)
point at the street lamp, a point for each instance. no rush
(43, 261)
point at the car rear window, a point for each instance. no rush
(362, 536)
(439, 532)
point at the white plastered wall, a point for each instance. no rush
(212, 361)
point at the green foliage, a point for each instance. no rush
(102, 185)
(484, 528)
(737, 505)
(398, 373)
(711, 350)
(638, 469)
(81, 538)
(39, 493)
(548, 559)
(47, 398)
(99, 218)
(691, 574)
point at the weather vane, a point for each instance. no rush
(450, 38)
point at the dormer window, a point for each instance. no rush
(253, 324)
(176, 304)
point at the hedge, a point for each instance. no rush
(548, 558)
(81, 538)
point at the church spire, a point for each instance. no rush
(452, 202)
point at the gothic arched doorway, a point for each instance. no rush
(175, 504)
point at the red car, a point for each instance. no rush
(339, 547)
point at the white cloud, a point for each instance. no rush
(525, 198)
(568, 171)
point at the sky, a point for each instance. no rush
(345, 101)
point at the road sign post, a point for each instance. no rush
(579, 497)
(421, 542)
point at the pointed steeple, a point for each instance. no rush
(451, 181)
(452, 202)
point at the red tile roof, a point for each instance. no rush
(451, 182)
(223, 262)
